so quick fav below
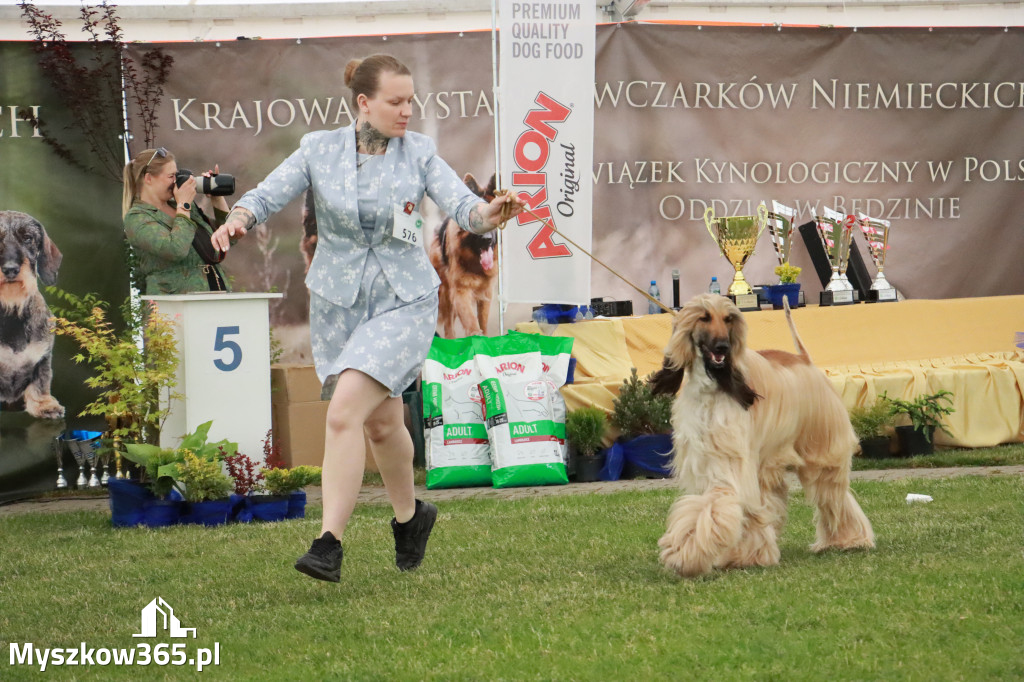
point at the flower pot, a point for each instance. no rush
(571, 459)
(649, 456)
(297, 505)
(161, 513)
(237, 506)
(914, 442)
(777, 292)
(207, 513)
(876, 447)
(127, 502)
(264, 508)
(588, 469)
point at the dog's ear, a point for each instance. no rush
(309, 226)
(472, 184)
(49, 259)
(735, 385)
(666, 381)
(442, 242)
(492, 186)
(680, 352)
(738, 332)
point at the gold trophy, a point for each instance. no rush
(780, 227)
(836, 234)
(736, 237)
(876, 234)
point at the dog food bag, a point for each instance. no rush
(457, 448)
(555, 352)
(518, 412)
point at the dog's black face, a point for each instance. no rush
(709, 330)
(712, 337)
(479, 243)
(26, 250)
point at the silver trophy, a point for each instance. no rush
(105, 463)
(836, 233)
(79, 456)
(876, 234)
(89, 447)
(58, 452)
(780, 226)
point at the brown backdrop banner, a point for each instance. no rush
(921, 127)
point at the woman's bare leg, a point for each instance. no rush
(392, 450)
(356, 397)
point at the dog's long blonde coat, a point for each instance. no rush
(731, 453)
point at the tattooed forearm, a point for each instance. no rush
(370, 140)
(243, 214)
(476, 219)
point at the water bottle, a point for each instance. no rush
(653, 292)
(714, 287)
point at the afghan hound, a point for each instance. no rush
(740, 420)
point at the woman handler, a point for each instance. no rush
(373, 293)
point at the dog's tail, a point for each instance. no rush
(800, 348)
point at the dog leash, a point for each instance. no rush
(505, 217)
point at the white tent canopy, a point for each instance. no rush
(205, 20)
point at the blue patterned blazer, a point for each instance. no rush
(326, 162)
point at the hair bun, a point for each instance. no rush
(350, 70)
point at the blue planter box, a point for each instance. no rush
(776, 292)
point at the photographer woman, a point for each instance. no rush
(373, 293)
(169, 233)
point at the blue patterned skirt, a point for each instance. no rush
(380, 335)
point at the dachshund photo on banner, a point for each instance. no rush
(27, 258)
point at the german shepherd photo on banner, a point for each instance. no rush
(467, 265)
(465, 262)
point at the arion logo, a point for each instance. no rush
(531, 152)
(158, 615)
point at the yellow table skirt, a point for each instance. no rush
(905, 349)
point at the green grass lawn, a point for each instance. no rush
(1012, 453)
(556, 588)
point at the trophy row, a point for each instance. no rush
(85, 448)
(736, 237)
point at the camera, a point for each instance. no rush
(220, 185)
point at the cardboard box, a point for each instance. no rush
(299, 417)
(294, 383)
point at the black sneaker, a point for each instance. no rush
(323, 560)
(411, 536)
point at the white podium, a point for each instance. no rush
(223, 367)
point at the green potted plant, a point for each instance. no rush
(644, 420)
(584, 431)
(925, 414)
(207, 488)
(873, 425)
(290, 483)
(133, 365)
(787, 287)
(275, 493)
(161, 470)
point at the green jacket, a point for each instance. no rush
(163, 246)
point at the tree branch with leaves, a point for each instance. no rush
(94, 88)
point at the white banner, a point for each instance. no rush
(547, 135)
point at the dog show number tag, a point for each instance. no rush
(408, 225)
